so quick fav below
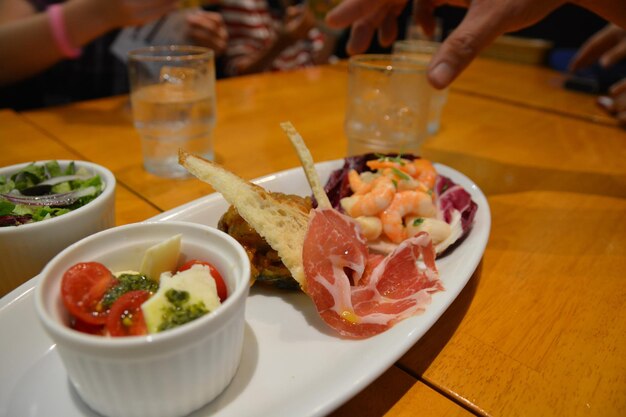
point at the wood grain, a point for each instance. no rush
(530, 86)
(542, 332)
(397, 394)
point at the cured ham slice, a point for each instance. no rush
(361, 294)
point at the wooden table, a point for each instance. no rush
(540, 329)
(529, 86)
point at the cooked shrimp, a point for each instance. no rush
(403, 181)
(405, 202)
(425, 172)
(396, 163)
(357, 184)
(420, 169)
(373, 202)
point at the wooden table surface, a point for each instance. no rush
(540, 329)
(527, 85)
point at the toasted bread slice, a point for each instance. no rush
(307, 164)
(282, 224)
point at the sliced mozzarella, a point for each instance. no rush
(162, 257)
(197, 281)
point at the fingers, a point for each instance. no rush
(424, 13)
(388, 31)
(614, 55)
(619, 88)
(363, 30)
(594, 48)
(208, 29)
(360, 38)
(366, 17)
(479, 28)
(351, 11)
(615, 103)
(202, 38)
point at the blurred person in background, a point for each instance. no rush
(56, 52)
(272, 35)
(607, 48)
(485, 21)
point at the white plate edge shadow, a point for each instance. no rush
(339, 388)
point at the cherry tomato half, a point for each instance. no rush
(81, 326)
(82, 289)
(126, 317)
(220, 285)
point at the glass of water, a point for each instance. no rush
(387, 104)
(425, 50)
(173, 102)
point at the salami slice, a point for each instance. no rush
(361, 294)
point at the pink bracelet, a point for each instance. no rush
(57, 24)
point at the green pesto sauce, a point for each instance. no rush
(129, 282)
(180, 310)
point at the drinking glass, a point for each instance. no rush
(387, 104)
(424, 50)
(173, 101)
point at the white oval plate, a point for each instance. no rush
(292, 364)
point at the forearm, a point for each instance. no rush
(612, 10)
(27, 46)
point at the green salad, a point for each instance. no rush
(45, 190)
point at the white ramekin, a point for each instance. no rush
(25, 249)
(164, 374)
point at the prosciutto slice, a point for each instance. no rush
(361, 294)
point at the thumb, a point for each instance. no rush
(478, 29)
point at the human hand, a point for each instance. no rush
(366, 18)
(297, 23)
(615, 102)
(208, 29)
(607, 46)
(485, 20)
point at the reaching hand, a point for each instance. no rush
(485, 20)
(297, 23)
(607, 46)
(208, 29)
(615, 102)
(367, 17)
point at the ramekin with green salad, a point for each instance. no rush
(41, 191)
(46, 206)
